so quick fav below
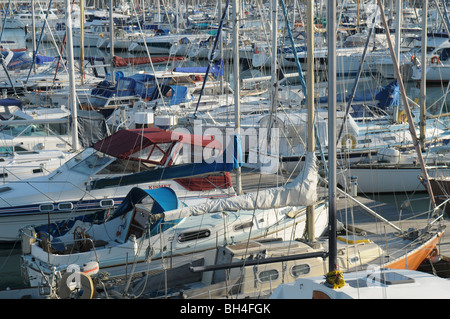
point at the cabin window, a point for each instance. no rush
(366, 141)
(5, 189)
(243, 226)
(37, 170)
(445, 54)
(3, 175)
(268, 275)
(120, 166)
(300, 270)
(353, 259)
(65, 206)
(194, 235)
(106, 203)
(153, 154)
(58, 128)
(10, 149)
(92, 162)
(46, 207)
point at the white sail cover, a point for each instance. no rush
(302, 191)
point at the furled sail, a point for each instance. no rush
(302, 191)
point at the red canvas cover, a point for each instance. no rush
(122, 62)
(126, 142)
(222, 181)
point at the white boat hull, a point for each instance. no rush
(388, 180)
(270, 224)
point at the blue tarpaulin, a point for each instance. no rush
(216, 69)
(388, 95)
(11, 102)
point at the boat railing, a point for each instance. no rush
(47, 244)
(33, 183)
(437, 212)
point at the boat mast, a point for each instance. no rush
(274, 87)
(33, 32)
(72, 97)
(309, 93)
(412, 129)
(111, 40)
(82, 41)
(398, 27)
(332, 225)
(423, 79)
(237, 102)
(310, 103)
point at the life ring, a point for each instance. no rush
(100, 35)
(435, 60)
(348, 137)
(82, 281)
(402, 118)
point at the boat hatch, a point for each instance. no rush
(390, 278)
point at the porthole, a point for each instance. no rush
(46, 207)
(106, 203)
(268, 275)
(354, 259)
(300, 270)
(65, 206)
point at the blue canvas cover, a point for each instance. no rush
(216, 69)
(389, 95)
(11, 102)
(179, 95)
(164, 197)
(145, 85)
(41, 59)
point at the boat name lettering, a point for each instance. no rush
(158, 186)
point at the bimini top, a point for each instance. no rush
(124, 143)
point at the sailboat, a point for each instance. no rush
(255, 268)
(400, 281)
(154, 225)
(99, 178)
(155, 229)
(395, 169)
